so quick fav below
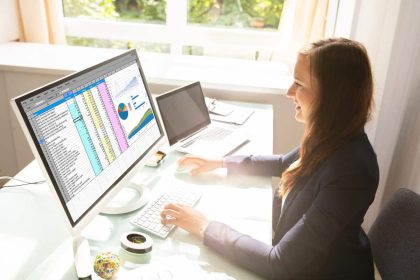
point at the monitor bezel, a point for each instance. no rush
(194, 129)
(78, 225)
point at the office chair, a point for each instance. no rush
(395, 237)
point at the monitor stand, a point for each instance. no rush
(129, 198)
(82, 259)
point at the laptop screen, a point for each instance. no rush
(183, 111)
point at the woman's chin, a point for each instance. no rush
(298, 116)
(300, 119)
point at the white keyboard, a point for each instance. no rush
(148, 218)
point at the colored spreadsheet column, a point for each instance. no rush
(112, 114)
(93, 110)
(85, 137)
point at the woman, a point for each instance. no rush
(327, 183)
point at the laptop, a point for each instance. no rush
(188, 126)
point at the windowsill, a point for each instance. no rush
(216, 73)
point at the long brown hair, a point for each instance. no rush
(342, 107)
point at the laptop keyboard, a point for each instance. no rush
(213, 134)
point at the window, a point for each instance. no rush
(227, 28)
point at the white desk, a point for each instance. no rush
(36, 244)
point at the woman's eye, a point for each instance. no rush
(297, 84)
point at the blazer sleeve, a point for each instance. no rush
(271, 165)
(338, 203)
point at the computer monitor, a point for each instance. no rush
(90, 131)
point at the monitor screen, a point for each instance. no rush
(183, 111)
(90, 129)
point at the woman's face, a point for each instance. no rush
(304, 89)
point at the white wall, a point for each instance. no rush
(9, 31)
(404, 90)
(8, 161)
(9, 21)
(390, 30)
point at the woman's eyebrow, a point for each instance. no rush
(298, 79)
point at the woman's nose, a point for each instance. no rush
(290, 92)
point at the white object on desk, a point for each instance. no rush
(82, 260)
(224, 112)
(174, 268)
(136, 242)
(186, 168)
(218, 108)
(129, 198)
(239, 116)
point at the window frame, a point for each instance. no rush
(176, 32)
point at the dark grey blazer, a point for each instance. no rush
(318, 235)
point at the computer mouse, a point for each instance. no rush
(186, 168)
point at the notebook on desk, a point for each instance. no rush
(188, 125)
(223, 112)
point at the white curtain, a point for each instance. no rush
(302, 21)
(41, 21)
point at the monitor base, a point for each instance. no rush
(82, 259)
(129, 198)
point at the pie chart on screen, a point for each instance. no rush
(123, 111)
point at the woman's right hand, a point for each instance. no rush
(201, 164)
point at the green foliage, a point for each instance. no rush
(97, 9)
(143, 10)
(201, 11)
(237, 13)
(267, 10)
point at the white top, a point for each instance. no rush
(283, 200)
(287, 193)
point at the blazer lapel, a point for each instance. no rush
(281, 222)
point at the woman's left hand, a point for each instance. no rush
(185, 217)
